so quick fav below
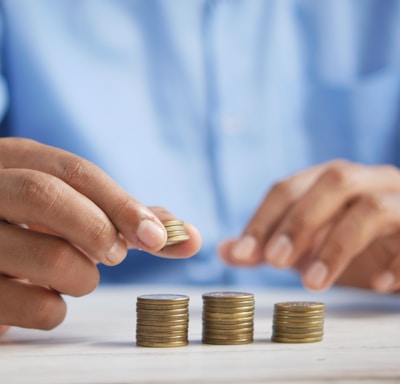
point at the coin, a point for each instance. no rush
(290, 340)
(227, 296)
(162, 320)
(299, 306)
(298, 322)
(228, 318)
(163, 298)
(156, 344)
(176, 232)
(246, 340)
(171, 223)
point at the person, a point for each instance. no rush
(271, 126)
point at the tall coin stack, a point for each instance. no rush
(175, 231)
(162, 320)
(298, 322)
(228, 318)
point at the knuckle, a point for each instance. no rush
(78, 273)
(283, 189)
(371, 203)
(51, 311)
(300, 222)
(338, 175)
(100, 231)
(76, 171)
(124, 206)
(42, 194)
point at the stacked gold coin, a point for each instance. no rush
(162, 320)
(298, 322)
(175, 231)
(228, 318)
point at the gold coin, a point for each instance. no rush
(227, 342)
(298, 324)
(154, 344)
(297, 330)
(166, 328)
(219, 333)
(161, 307)
(228, 321)
(234, 326)
(172, 234)
(297, 335)
(216, 309)
(227, 333)
(225, 315)
(163, 298)
(163, 319)
(302, 306)
(228, 305)
(175, 228)
(239, 336)
(163, 331)
(182, 237)
(227, 296)
(172, 222)
(297, 317)
(161, 339)
(160, 323)
(291, 340)
(175, 311)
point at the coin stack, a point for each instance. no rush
(298, 322)
(162, 320)
(228, 318)
(175, 231)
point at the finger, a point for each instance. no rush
(4, 329)
(46, 260)
(336, 187)
(247, 249)
(388, 280)
(180, 250)
(28, 306)
(370, 217)
(136, 222)
(230, 247)
(33, 197)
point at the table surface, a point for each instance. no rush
(96, 344)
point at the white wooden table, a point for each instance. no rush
(96, 344)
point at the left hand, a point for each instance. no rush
(338, 222)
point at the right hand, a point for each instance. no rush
(60, 215)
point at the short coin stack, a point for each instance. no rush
(162, 320)
(298, 322)
(175, 231)
(228, 318)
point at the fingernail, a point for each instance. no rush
(117, 252)
(244, 248)
(151, 234)
(279, 251)
(316, 275)
(385, 281)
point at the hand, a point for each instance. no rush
(336, 223)
(59, 216)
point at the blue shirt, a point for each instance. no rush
(200, 106)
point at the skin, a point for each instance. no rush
(336, 223)
(60, 215)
